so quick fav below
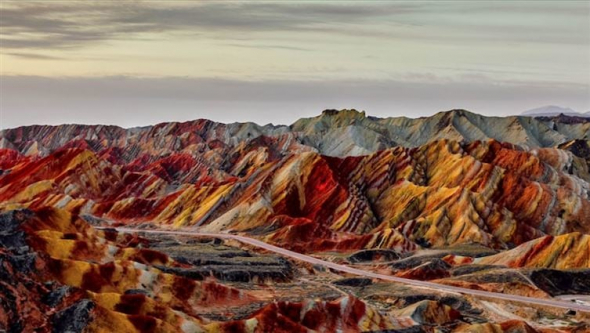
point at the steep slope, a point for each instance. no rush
(439, 194)
(559, 252)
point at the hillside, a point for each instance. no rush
(333, 133)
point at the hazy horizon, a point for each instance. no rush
(145, 62)
(318, 113)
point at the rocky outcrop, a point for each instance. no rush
(28, 302)
(561, 282)
(12, 237)
(429, 270)
(373, 255)
(353, 282)
(74, 318)
(428, 312)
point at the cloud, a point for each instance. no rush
(134, 101)
(42, 25)
(268, 46)
(35, 56)
(63, 25)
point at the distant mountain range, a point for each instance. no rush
(552, 110)
(333, 133)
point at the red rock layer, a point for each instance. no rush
(439, 194)
(559, 252)
(111, 286)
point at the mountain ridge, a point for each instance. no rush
(334, 133)
(553, 111)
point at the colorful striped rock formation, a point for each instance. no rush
(496, 204)
(442, 193)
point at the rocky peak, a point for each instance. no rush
(348, 113)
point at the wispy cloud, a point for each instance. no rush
(55, 25)
(43, 25)
(268, 46)
(35, 56)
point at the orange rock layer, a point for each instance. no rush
(442, 193)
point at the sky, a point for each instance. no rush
(133, 63)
